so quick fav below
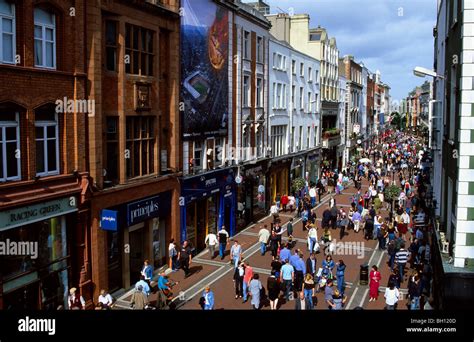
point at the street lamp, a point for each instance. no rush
(422, 72)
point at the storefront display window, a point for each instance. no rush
(41, 243)
(259, 197)
(114, 261)
(212, 213)
(190, 223)
(159, 251)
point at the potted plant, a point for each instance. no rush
(297, 184)
(391, 193)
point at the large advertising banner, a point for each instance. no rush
(204, 68)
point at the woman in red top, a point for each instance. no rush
(374, 284)
(284, 201)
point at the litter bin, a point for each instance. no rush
(364, 274)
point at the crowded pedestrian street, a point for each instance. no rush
(382, 248)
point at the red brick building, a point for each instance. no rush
(135, 153)
(44, 188)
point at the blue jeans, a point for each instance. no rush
(308, 293)
(340, 283)
(222, 249)
(236, 262)
(263, 248)
(382, 242)
(278, 204)
(313, 201)
(415, 303)
(312, 242)
(287, 288)
(391, 261)
(245, 291)
(401, 267)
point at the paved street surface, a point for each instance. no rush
(219, 273)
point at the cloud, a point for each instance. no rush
(392, 36)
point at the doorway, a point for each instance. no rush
(136, 236)
(201, 214)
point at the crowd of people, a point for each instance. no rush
(399, 223)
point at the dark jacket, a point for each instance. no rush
(309, 266)
(298, 304)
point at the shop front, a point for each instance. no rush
(36, 244)
(135, 231)
(207, 202)
(298, 167)
(252, 203)
(278, 177)
(312, 166)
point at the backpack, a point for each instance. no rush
(391, 247)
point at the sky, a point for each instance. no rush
(392, 36)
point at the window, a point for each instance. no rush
(300, 140)
(302, 69)
(301, 98)
(278, 140)
(259, 89)
(140, 136)
(246, 91)
(292, 139)
(139, 50)
(283, 96)
(260, 131)
(7, 32)
(111, 45)
(246, 45)
(219, 151)
(310, 105)
(111, 174)
(308, 136)
(316, 76)
(315, 131)
(279, 61)
(283, 66)
(9, 145)
(310, 74)
(45, 39)
(293, 90)
(279, 97)
(454, 18)
(197, 156)
(293, 67)
(452, 104)
(275, 65)
(47, 141)
(260, 49)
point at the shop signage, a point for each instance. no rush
(253, 171)
(108, 220)
(37, 212)
(142, 210)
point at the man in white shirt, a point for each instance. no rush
(263, 236)
(391, 297)
(312, 195)
(211, 242)
(312, 239)
(105, 300)
(274, 211)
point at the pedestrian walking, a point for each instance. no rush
(287, 277)
(223, 237)
(274, 245)
(139, 300)
(211, 242)
(273, 288)
(248, 274)
(208, 301)
(337, 301)
(255, 289)
(302, 303)
(236, 253)
(392, 296)
(173, 256)
(185, 258)
(147, 271)
(239, 280)
(401, 258)
(263, 237)
(374, 283)
(308, 289)
(340, 271)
